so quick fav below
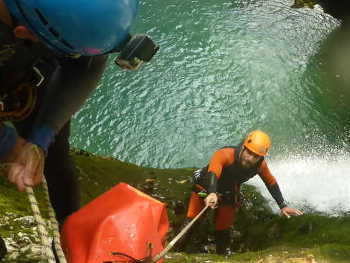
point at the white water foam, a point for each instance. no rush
(313, 183)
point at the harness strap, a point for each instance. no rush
(26, 95)
(23, 67)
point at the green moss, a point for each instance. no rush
(14, 204)
(277, 254)
(11, 201)
(262, 233)
(98, 174)
(335, 252)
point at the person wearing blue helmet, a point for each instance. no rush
(52, 55)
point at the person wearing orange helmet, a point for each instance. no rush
(219, 182)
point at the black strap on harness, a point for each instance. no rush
(129, 259)
(23, 66)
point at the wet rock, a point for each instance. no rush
(148, 186)
(338, 9)
(26, 221)
(31, 253)
(304, 3)
(254, 223)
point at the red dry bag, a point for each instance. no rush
(118, 226)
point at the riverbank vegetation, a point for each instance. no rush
(259, 235)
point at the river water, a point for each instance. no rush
(225, 68)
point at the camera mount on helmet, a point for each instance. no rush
(140, 48)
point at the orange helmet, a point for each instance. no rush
(258, 142)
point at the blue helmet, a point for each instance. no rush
(77, 27)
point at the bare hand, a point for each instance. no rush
(288, 211)
(27, 164)
(211, 200)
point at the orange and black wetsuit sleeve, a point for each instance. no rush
(271, 184)
(218, 161)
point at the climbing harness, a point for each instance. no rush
(23, 67)
(18, 104)
(42, 226)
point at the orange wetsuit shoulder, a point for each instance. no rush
(265, 174)
(220, 159)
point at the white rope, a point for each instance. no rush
(44, 235)
(175, 239)
(54, 225)
(42, 226)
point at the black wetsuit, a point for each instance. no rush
(68, 83)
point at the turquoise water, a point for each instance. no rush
(224, 69)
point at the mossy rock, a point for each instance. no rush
(261, 235)
(304, 3)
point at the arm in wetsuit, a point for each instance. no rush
(8, 138)
(69, 87)
(271, 184)
(218, 161)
